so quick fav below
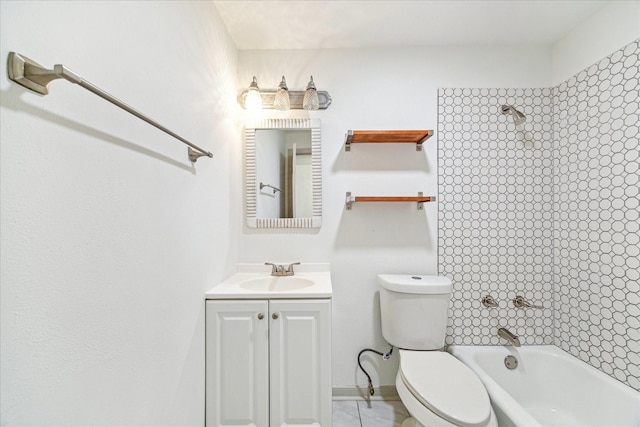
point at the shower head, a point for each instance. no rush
(518, 117)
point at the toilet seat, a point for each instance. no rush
(446, 386)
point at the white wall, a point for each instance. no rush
(109, 236)
(375, 89)
(613, 26)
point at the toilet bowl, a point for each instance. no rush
(439, 390)
(436, 388)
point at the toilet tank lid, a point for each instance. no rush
(415, 284)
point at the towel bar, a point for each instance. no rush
(35, 77)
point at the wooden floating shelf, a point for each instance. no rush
(419, 199)
(387, 136)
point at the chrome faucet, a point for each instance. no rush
(281, 270)
(513, 339)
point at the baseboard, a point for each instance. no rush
(385, 392)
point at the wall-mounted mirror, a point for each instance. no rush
(283, 174)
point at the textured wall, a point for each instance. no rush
(495, 212)
(596, 235)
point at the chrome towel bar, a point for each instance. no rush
(35, 77)
(275, 189)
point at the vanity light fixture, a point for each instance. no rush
(284, 99)
(253, 101)
(310, 101)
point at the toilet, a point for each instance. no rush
(436, 388)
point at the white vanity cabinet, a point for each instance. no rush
(268, 362)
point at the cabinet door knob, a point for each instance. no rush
(260, 316)
(274, 316)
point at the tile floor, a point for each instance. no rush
(376, 413)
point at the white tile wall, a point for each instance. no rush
(496, 212)
(549, 210)
(597, 215)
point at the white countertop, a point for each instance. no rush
(315, 276)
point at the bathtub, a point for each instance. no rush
(549, 387)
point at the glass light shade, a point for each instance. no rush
(310, 101)
(281, 101)
(253, 101)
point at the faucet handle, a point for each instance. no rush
(489, 302)
(520, 302)
(274, 268)
(290, 267)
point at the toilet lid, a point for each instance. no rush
(446, 386)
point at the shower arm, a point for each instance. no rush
(32, 75)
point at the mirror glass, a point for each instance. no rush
(283, 174)
(283, 159)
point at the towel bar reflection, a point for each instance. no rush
(35, 77)
(275, 189)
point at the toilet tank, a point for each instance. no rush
(414, 310)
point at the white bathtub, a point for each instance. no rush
(549, 387)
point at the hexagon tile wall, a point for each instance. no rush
(496, 212)
(548, 210)
(596, 215)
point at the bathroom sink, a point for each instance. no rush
(276, 284)
(254, 281)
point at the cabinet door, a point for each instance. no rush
(300, 349)
(237, 363)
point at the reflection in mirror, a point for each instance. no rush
(283, 174)
(283, 161)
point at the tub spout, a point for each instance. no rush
(513, 339)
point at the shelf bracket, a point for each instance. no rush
(419, 143)
(349, 200)
(347, 143)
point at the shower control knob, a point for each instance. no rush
(260, 316)
(274, 316)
